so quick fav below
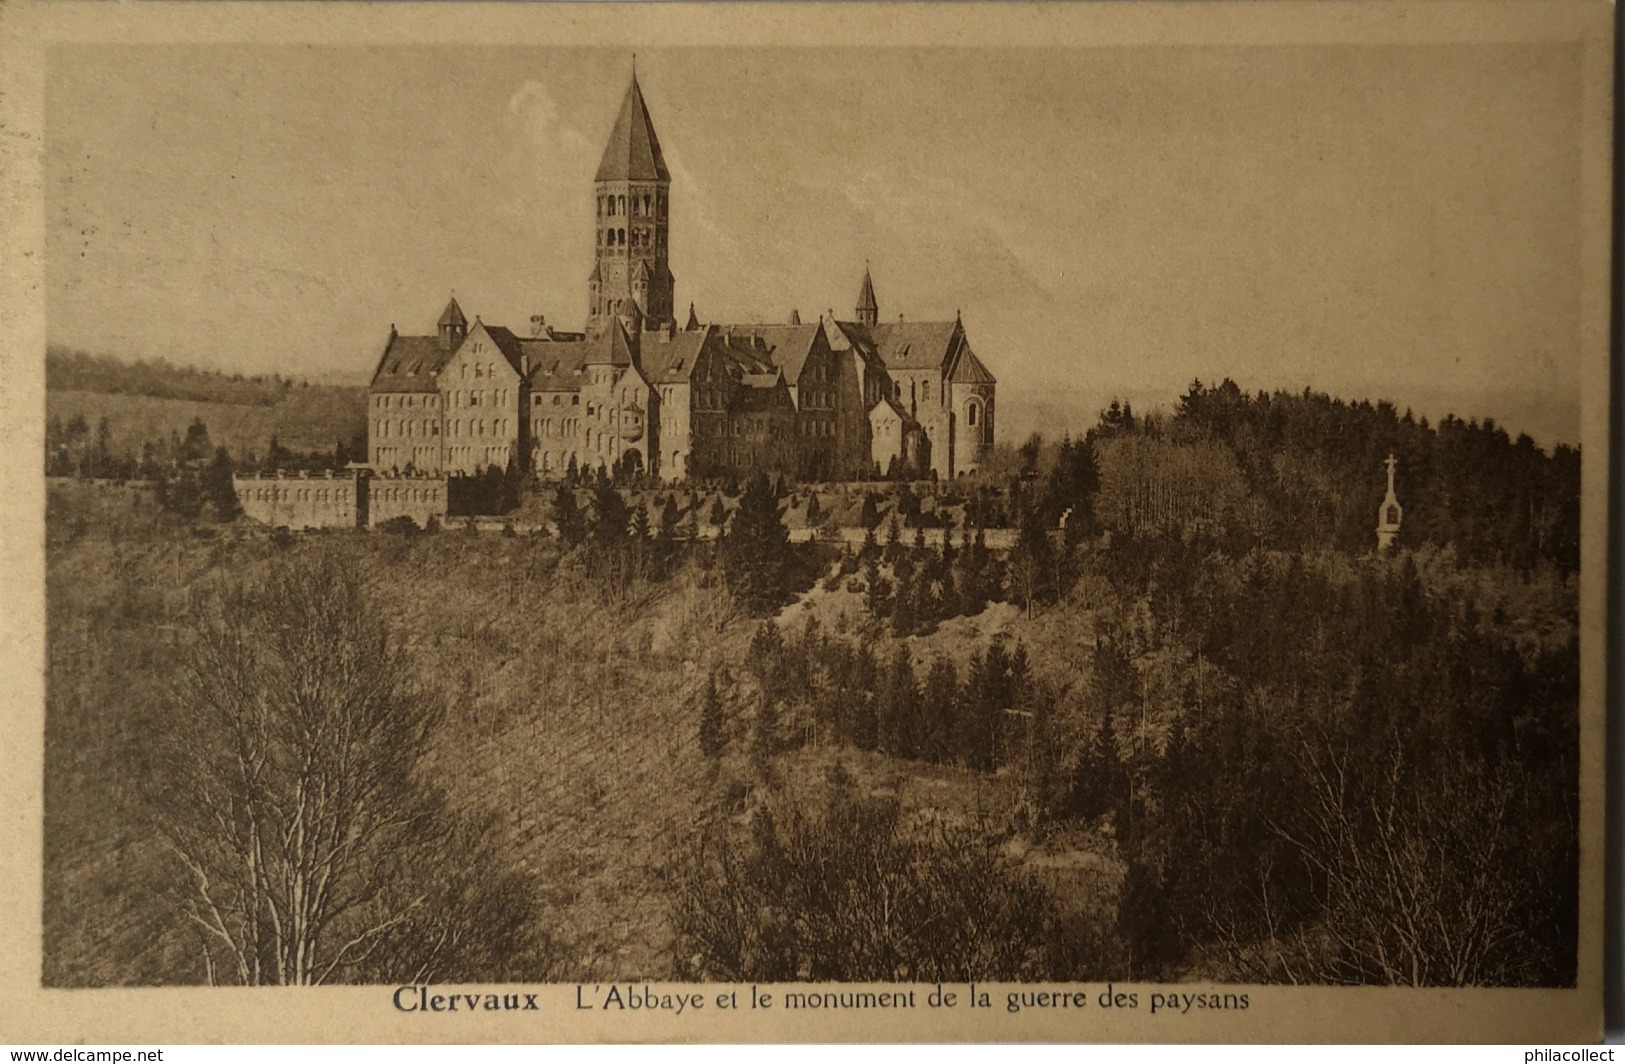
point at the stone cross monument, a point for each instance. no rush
(1388, 517)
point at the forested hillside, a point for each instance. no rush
(1305, 471)
(1191, 725)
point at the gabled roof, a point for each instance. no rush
(633, 151)
(788, 346)
(410, 364)
(762, 393)
(612, 347)
(914, 344)
(746, 350)
(671, 361)
(453, 315)
(886, 406)
(556, 366)
(509, 343)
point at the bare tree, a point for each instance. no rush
(294, 799)
(1422, 877)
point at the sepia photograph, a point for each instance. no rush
(621, 508)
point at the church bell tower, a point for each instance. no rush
(632, 204)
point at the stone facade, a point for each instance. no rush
(636, 391)
(320, 500)
(420, 498)
(355, 499)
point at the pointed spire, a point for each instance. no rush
(868, 308)
(452, 325)
(633, 151)
(693, 319)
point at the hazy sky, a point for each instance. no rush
(1378, 221)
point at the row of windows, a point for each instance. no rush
(494, 397)
(638, 238)
(558, 400)
(400, 493)
(320, 495)
(500, 426)
(404, 402)
(644, 205)
(477, 426)
(407, 427)
(480, 369)
(565, 426)
(467, 457)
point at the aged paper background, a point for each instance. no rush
(32, 1014)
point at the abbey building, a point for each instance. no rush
(637, 390)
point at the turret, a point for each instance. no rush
(453, 326)
(868, 310)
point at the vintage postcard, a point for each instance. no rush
(707, 522)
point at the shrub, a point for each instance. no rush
(852, 893)
(402, 525)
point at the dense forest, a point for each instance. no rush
(1191, 724)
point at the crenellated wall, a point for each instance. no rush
(299, 500)
(419, 498)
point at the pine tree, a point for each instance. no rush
(567, 516)
(869, 518)
(902, 707)
(196, 447)
(940, 709)
(713, 739)
(218, 487)
(756, 552)
(1033, 562)
(611, 519)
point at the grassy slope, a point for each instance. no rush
(311, 418)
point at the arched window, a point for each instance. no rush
(611, 211)
(973, 414)
(620, 237)
(646, 205)
(622, 203)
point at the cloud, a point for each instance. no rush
(537, 111)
